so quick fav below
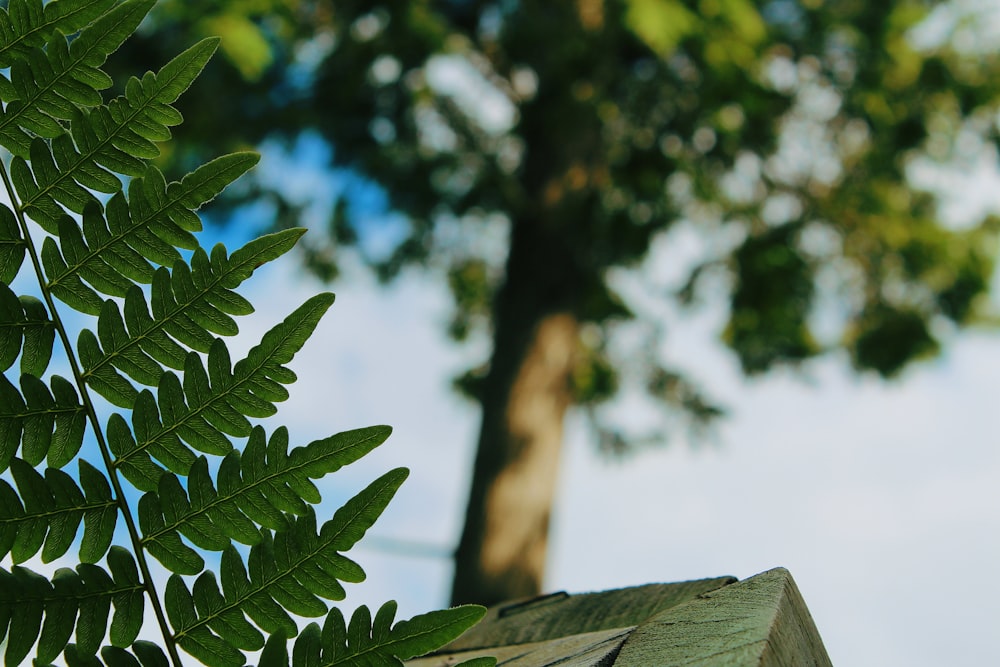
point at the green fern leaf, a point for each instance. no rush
(193, 637)
(117, 137)
(95, 269)
(350, 522)
(275, 653)
(164, 442)
(103, 378)
(70, 290)
(44, 424)
(127, 598)
(11, 421)
(169, 549)
(260, 607)
(48, 85)
(145, 107)
(157, 353)
(28, 591)
(100, 515)
(308, 647)
(135, 228)
(101, 38)
(26, 23)
(211, 402)
(124, 591)
(120, 136)
(188, 307)
(12, 246)
(127, 356)
(170, 208)
(196, 523)
(80, 162)
(226, 512)
(60, 615)
(150, 336)
(33, 525)
(75, 659)
(11, 327)
(67, 73)
(136, 465)
(11, 509)
(65, 517)
(416, 636)
(83, 598)
(229, 623)
(25, 330)
(289, 572)
(92, 622)
(363, 643)
(39, 334)
(39, 419)
(42, 187)
(256, 488)
(70, 421)
(53, 508)
(147, 654)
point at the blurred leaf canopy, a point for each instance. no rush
(791, 128)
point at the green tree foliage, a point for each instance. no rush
(785, 130)
(105, 234)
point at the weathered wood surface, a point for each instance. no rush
(560, 615)
(759, 622)
(583, 650)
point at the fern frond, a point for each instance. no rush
(47, 86)
(135, 233)
(156, 352)
(119, 137)
(27, 23)
(189, 305)
(368, 643)
(287, 573)
(143, 654)
(209, 405)
(127, 128)
(52, 511)
(12, 246)
(94, 254)
(46, 187)
(32, 608)
(257, 487)
(46, 423)
(25, 330)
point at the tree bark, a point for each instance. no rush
(525, 396)
(552, 269)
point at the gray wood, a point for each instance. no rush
(760, 622)
(559, 614)
(583, 650)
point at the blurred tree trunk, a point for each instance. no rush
(525, 395)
